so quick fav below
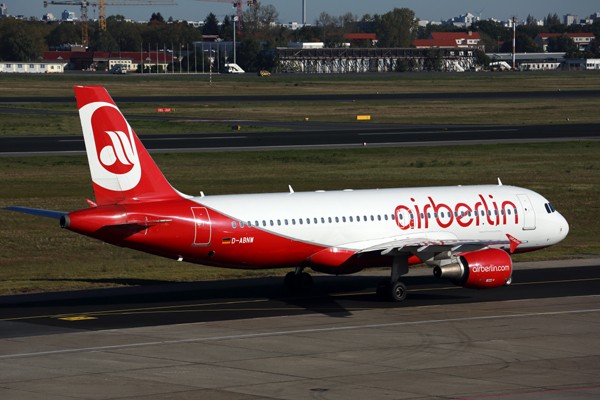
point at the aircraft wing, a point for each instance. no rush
(38, 212)
(418, 246)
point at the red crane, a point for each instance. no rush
(237, 4)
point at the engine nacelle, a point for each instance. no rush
(478, 269)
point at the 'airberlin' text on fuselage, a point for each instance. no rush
(417, 216)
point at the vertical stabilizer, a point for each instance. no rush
(121, 168)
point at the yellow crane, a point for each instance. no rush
(101, 4)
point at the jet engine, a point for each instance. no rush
(480, 269)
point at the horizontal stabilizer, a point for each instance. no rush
(38, 212)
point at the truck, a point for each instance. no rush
(232, 68)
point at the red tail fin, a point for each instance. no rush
(122, 170)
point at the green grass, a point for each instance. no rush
(549, 111)
(47, 125)
(38, 256)
(286, 84)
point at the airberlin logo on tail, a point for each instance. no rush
(111, 147)
(117, 157)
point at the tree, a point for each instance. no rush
(401, 65)
(226, 29)
(259, 19)
(157, 18)
(19, 41)
(552, 20)
(397, 28)
(523, 44)
(63, 34)
(531, 20)
(211, 25)
(562, 43)
(249, 54)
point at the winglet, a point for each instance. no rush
(499, 182)
(514, 242)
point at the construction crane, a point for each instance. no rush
(101, 4)
(238, 5)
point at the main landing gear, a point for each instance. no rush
(298, 281)
(394, 290)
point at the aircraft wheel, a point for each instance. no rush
(397, 291)
(289, 282)
(304, 282)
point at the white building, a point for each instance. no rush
(48, 17)
(294, 25)
(591, 63)
(570, 19)
(32, 67)
(462, 20)
(3, 12)
(69, 16)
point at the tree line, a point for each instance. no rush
(26, 40)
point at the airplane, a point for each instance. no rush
(466, 233)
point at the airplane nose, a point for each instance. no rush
(564, 228)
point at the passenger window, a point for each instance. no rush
(502, 212)
(508, 211)
(400, 216)
(515, 211)
(365, 218)
(256, 223)
(329, 219)
(385, 217)
(249, 224)
(411, 216)
(393, 219)
(293, 221)
(343, 219)
(233, 224)
(495, 212)
(322, 220)
(372, 218)
(435, 215)
(351, 220)
(264, 223)
(455, 214)
(442, 214)
(300, 221)
(482, 214)
(316, 220)
(308, 220)
(241, 224)
(489, 212)
(271, 222)
(286, 222)
(278, 222)
(337, 219)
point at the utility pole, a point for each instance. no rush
(514, 40)
(235, 18)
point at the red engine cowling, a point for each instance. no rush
(478, 269)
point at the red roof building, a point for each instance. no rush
(87, 60)
(582, 40)
(357, 38)
(462, 39)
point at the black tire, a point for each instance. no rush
(289, 282)
(305, 282)
(397, 291)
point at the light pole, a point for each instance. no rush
(498, 43)
(235, 18)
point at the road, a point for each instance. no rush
(247, 339)
(326, 137)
